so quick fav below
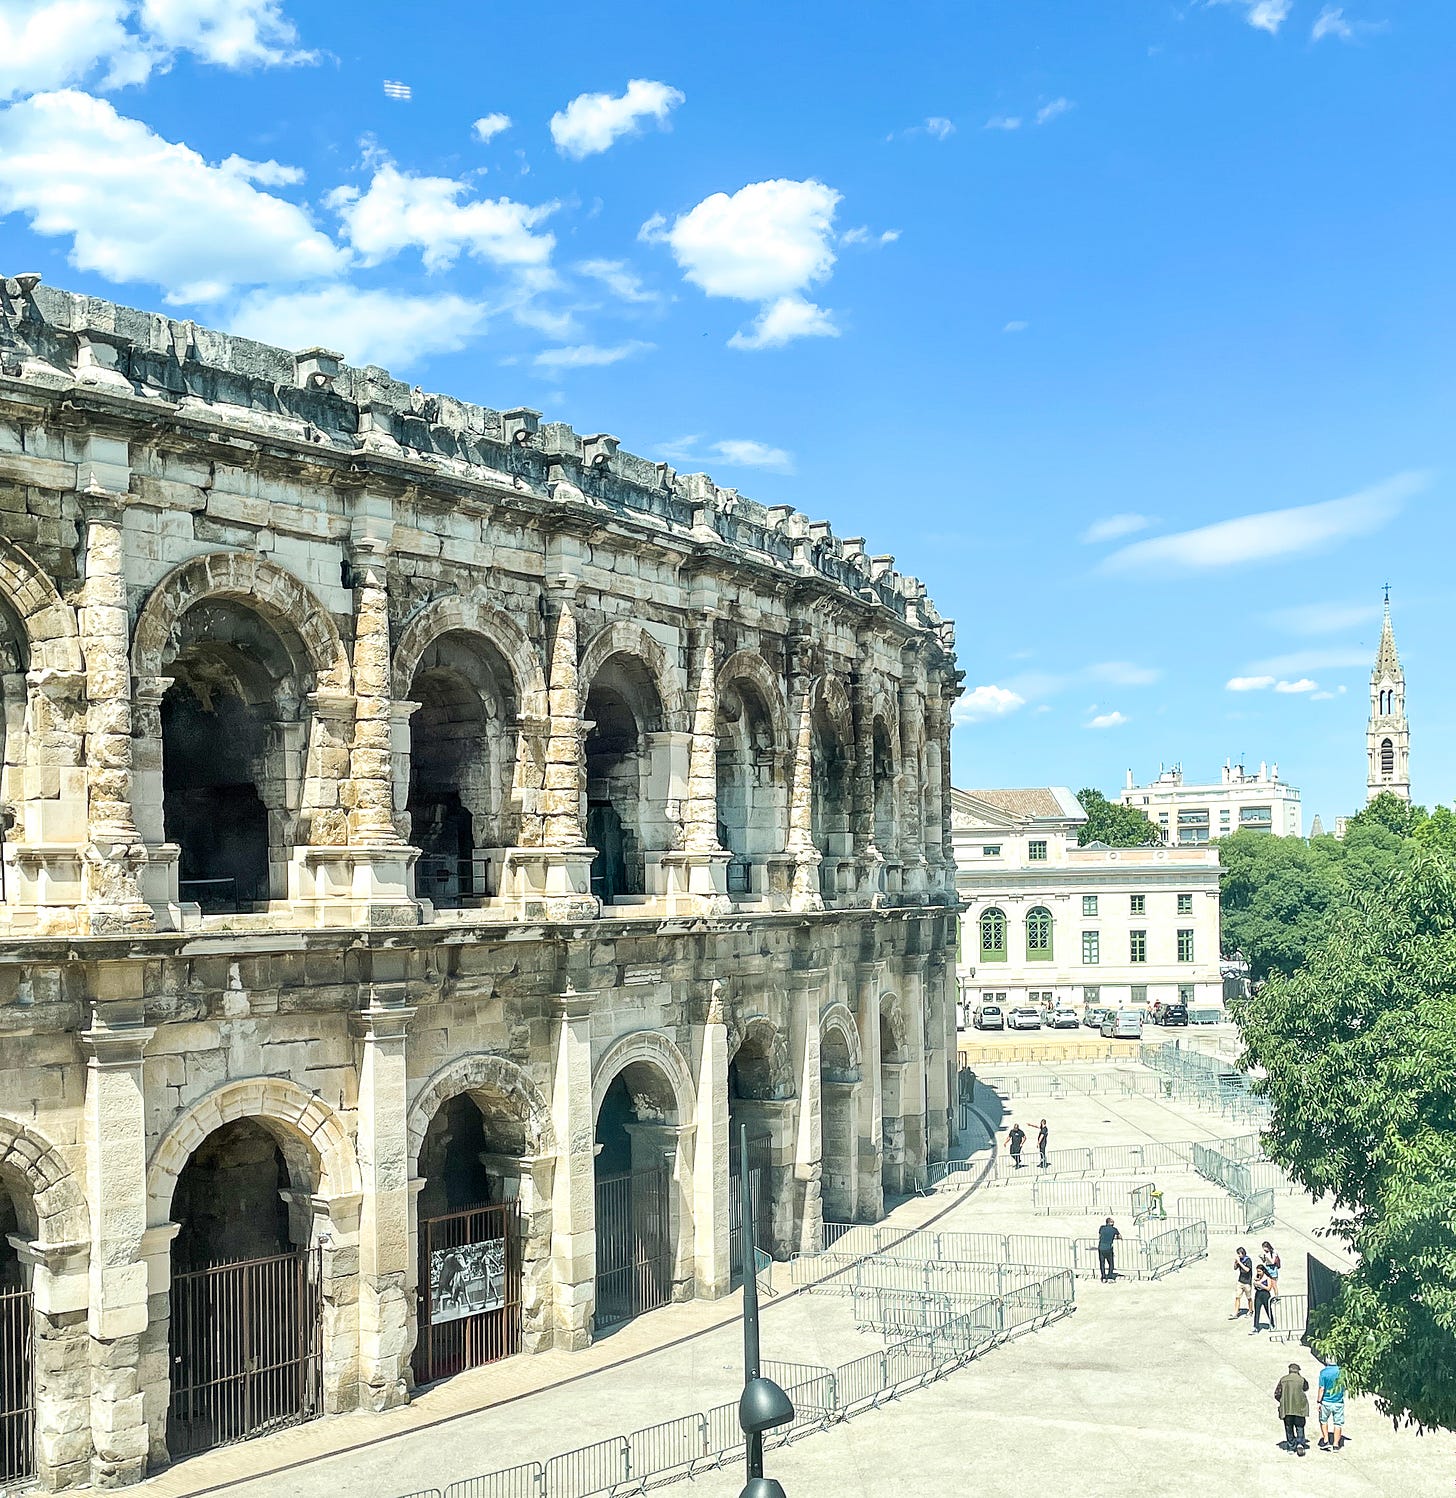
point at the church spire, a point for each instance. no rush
(1387, 739)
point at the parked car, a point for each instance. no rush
(1123, 1024)
(1064, 1018)
(1171, 1014)
(989, 1017)
(1093, 1016)
(1024, 1017)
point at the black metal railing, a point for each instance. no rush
(740, 880)
(634, 1244)
(17, 1387)
(447, 881)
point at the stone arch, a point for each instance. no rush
(476, 1073)
(277, 595)
(660, 1053)
(833, 700)
(748, 665)
(52, 639)
(625, 637)
(472, 615)
(838, 1021)
(761, 1060)
(309, 1133)
(48, 1189)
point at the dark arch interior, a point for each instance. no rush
(883, 771)
(1387, 757)
(469, 1154)
(622, 706)
(11, 1277)
(228, 1203)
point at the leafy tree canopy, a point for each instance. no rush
(1359, 1051)
(1113, 823)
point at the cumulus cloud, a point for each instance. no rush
(264, 173)
(591, 123)
(588, 355)
(1273, 534)
(137, 207)
(367, 327)
(1003, 122)
(746, 453)
(1048, 112)
(488, 126)
(618, 278)
(980, 703)
(1106, 720)
(863, 234)
(1113, 527)
(1016, 326)
(230, 33)
(1248, 683)
(767, 242)
(938, 127)
(399, 211)
(1262, 15)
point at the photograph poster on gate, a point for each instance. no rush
(467, 1279)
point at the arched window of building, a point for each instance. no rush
(993, 935)
(1387, 757)
(1039, 934)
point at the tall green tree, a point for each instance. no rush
(1359, 1053)
(1113, 823)
(1276, 897)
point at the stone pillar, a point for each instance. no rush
(386, 1307)
(776, 1118)
(871, 1200)
(114, 853)
(553, 880)
(806, 893)
(912, 781)
(116, 1167)
(538, 1174)
(56, 1275)
(950, 693)
(714, 1271)
(804, 1041)
(697, 874)
(932, 835)
(913, 1080)
(940, 1056)
(573, 1195)
(869, 858)
(654, 1143)
(159, 874)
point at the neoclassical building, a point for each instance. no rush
(428, 836)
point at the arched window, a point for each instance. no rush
(993, 935)
(1387, 757)
(1039, 934)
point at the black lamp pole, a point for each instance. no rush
(763, 1404)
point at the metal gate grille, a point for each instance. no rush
(634, 1244)
(17, 1387)
(759, 1157)
(245, 1349)
(468, 1258)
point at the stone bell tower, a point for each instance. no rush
(1387, 739)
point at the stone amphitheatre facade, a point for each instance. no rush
(430, 835)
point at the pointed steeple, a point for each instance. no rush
(1387, 739)
(1387, 658)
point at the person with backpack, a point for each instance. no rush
(1016, 1138)
(1291, 1394)
(1332, 1407)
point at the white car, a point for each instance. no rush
(989, 1017)
(1123, 1024)
(1064, 1018)
(1024, 1017)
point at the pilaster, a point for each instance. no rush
(806, 894)
(573, 1195)
(711, 1227)
(806, 995)
(870, 1205)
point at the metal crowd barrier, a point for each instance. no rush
(1066, 1198)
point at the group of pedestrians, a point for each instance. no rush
(1258, 1286)
(1016, 1141)
(1291, 1394)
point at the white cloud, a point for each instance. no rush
(784, 320)
(1003, 122)
(488, 126)
(398, 211)
(1263, 15)
(618, 278)
(1304, 684)
(1321, 696)
(1248, 683)
(367, 327)
(1274, 534)
(264, 173)
(939, 127)
(1048, 112)
(980, 703)
(1324, 618)
(230, 33)
(588, 355)
(140, 208)
(1112, 527)
(1016, 327)
(1331, 22)
(1123, 673)
(592, 122)
(1107, 720)
(863, 234)
(746, 453)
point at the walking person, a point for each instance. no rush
(1263, 1288)
(1041, 1142)
(1244, 1294)
(1016, 1138)
(1332, 1407)
(1292, 1394)
(1107, 1235)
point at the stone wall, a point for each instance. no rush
(301, 554)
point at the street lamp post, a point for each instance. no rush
(762, 1405)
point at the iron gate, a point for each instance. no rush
(246, 1350)
(634, 1244)
(469, 1290)
(761, 1209)
(17, 1387)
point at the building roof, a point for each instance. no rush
(1387, 658)
(1033, 801)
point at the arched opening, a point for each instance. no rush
(17, 1363)
(1038, 934)
(883, 777)
(636, 1214)
(830, 800)
(838, 1079)
(233, 742)
(246, 1354)
(471, 1241)
(759, 1077)
(895, 1077)
(752, 796)
(624, 814)
(1387, 758)
(462, 769)
(993, 935)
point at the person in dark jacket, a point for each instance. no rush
(1107, 1235)
(1041, 1142)
(1292, 1395)
(1263, 1305)
(1016, 1138)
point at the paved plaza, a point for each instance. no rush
(1148, 1387)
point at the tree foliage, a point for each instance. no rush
(1113, 823)
(1359, 1051)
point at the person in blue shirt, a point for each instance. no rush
(1332, 1407)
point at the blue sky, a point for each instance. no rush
(978, 281)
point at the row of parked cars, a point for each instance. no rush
(1117, 1024)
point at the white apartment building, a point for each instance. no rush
(1045, 921)
(1241, 801)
